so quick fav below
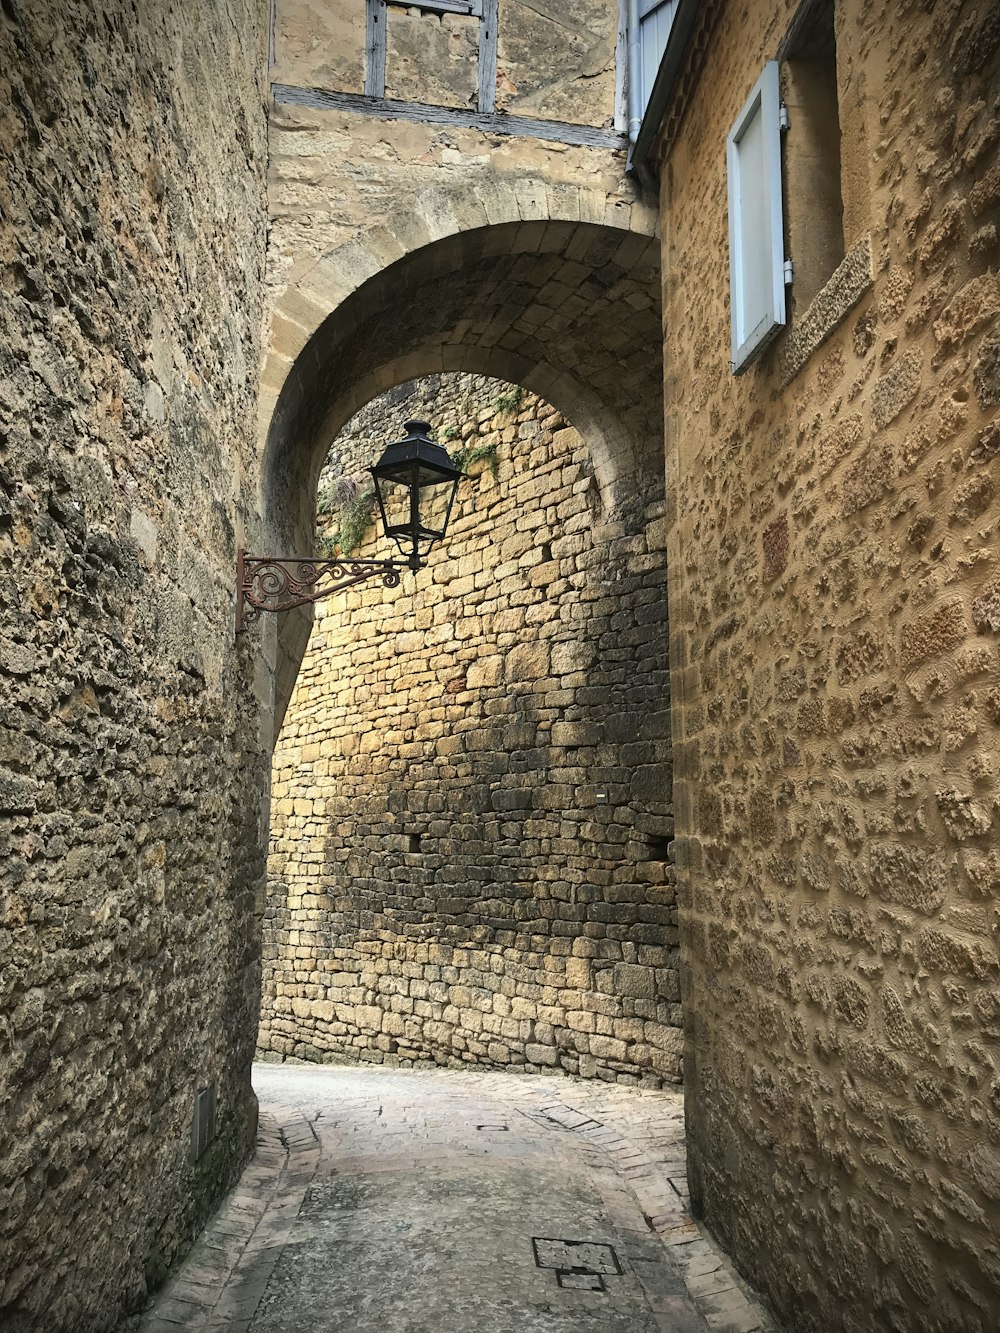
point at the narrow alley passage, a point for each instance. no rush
(410, 1201)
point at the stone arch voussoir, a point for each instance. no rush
(324, 284)
(551, 286)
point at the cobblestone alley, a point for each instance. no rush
(392, 1201)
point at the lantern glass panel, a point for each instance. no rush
(435, 506)
(394, 497)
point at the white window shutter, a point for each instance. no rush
(756, 239)
(656, 18)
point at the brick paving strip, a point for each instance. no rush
(220, 1283)
(344, 1157)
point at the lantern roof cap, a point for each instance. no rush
(417, 447)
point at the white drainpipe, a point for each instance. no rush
(635, 107)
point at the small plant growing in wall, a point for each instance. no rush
(464, 458)
(511, 401)
(351, 506)
(326, 500)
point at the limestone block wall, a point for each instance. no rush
(835, 585)
(131, 263)
(471, 804)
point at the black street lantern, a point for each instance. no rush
(415, 484)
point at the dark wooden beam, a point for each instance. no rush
(471, 8)
(384, 108)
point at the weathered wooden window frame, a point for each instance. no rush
(487, 11)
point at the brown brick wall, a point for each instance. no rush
(834, 571)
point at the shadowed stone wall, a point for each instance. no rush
(131, 255)
(835, 611)
(444, 884)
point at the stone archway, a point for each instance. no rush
(566, 308)
(318, 280)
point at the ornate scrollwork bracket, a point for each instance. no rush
(273, 583)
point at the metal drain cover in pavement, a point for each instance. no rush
(580, 1265)
(580, 1281)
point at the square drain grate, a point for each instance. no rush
(579, 1265)
(580, 1281)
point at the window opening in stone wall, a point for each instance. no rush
(786, 212)
(436, 52)
(203, 1126)
(658, 848)
(813, 204)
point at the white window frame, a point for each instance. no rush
(752, 330)
(647, 70)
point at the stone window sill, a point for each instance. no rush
(850, 280)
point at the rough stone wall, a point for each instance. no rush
(131, 255)
(553, 61)
(318, 44)
(444, 884)
(558, 61)
(835, 611)
(432, 58)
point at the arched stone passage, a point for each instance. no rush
(569, 310)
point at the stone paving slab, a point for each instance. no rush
(442, 1201)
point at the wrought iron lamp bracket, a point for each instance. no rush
(275, 583)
